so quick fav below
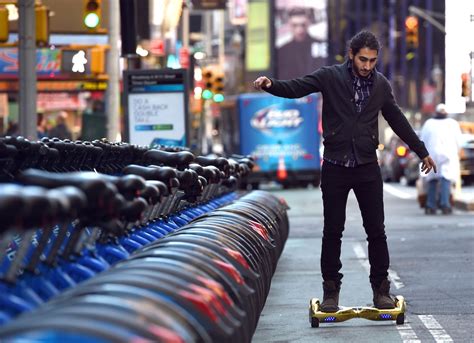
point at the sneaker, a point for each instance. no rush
(331, 296)
(429, 210)
(382, 298)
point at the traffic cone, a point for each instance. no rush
(282, 174)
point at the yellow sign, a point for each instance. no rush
(258, 37)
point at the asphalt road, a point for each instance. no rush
(431, 266)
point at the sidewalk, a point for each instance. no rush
(464, 199)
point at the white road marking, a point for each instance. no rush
(360, 253)
(435, 328)
(396, 192)
(407, 334)
(364, 261)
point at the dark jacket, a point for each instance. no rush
(343, 127)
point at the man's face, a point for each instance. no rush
(364, 61)
(299, 27)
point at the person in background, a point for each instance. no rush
(353, 95)
(41, 127)
(13, 129)
(60, 130)
(442, 137)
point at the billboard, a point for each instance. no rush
(459, 52)
(258, 43)
(48, 62)
(273, 129)
(156, 107)
(301, 38)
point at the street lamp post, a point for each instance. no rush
(27, 69)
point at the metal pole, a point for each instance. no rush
(112, 96)
(185, 19)
(391, 40)
(27, 65)
(336, 41)
(403, 60)
(429, 44)
(416, 68)
(380, 19)
(208, 32)
(221, 38)
(128, 31)
(358, 20)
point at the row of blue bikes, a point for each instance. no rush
(112, 242)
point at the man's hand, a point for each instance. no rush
(427, 165)
(262, 82)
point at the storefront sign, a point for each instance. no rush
(156, 107)
(209, 4)
(61, 86)
(60, 101)
(47, 62)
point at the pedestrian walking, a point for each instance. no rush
(442, 136)
(353, 94)
(61, 130)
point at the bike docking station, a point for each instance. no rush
(316, 316)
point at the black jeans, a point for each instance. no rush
(366, 181)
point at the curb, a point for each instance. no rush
(464, 205)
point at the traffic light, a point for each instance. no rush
(411, 31)
(465, 87)
(218, 86)
(92, 15)
(213, 80)
(207, 75)
(97, 60)
(42, 25)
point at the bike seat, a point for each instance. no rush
(150, 193)
(162, 188)
(11, 203)
(151, 172)
(133, 210)
(219, 162)
(178, 160)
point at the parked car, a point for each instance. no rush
(397, 160)
(466, 158)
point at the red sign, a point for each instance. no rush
(184, 57)
(428, 96)
(157, 47)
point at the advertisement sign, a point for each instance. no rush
(457, 55)
(258, 36)
(300, 26)
(238, 12)
(274, 129)
(47, 62)
(156, 107)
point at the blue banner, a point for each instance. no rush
(276, 129)
(47, 61)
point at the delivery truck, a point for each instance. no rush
(283, 137)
